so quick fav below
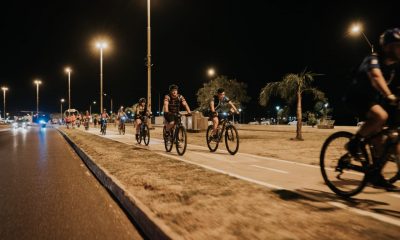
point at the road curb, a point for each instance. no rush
(141, 214)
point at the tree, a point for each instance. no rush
(291, 88)
(236, 91)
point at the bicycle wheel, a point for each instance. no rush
(123, 129)
(231, 139)
(139, 136)
(168, 140)
(181, 140)
(146, 134)
(120, 130)
(344, 174)
(391, 169)
(212, 143)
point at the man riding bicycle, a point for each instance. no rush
(121, 116)
(373, 96)
(140, 111)
(172, 104)
(219, 105)
(103, 118)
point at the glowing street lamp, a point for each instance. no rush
(356, 29)
(4, 100)
(68, 70)
(90, 107)
(37, 82)
(211, 72)
(61, 109)
(277, 111)
(101, 45)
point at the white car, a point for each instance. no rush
(265, 122)
(254, 123)
(292, 123)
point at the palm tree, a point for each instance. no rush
(291, 88)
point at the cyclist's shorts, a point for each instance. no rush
(170, 117)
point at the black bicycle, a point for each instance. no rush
(226, 129)
(144, 131)
(176, 135)
(103, 127)
(347, 175)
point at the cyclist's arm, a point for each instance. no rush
(378, 81)
(212, 107)
(233, 106)
(166, 104)
(184, 103)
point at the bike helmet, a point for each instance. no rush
(390, 36)
(142, 100)
(173, 87)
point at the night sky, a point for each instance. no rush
(252, 41)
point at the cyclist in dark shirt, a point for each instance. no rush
(219, 105)
(374, 87)
(172, 104)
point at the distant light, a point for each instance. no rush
(37, 82)
(68, 70)
(240, 110)
(277, 108)
(4, 89)
(101, 45)
(326, 105)
(225, 113)
(211, 72)
(94, 102)
(355, 28)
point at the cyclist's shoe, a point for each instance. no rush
(354, 146)
(378, 181)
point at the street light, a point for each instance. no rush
(240, 115)
(4, 100)
(90, 107)
(277, 117)
(101, 45)
(356, 29)
(111, 102)
(68, 70)
(37, 82)
(61, 109)
(148, 57)
(211, 72)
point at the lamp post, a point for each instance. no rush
(68, 71)
(356, 29)
(277, 112)
(90, 107)
(4, 100)
(37, 82)
(61, 109)
(101, 46)
(148, 57)
(240, 115)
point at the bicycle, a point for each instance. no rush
(231, 136)
(347, 175)
(103, 127)
(121, 126)
(144, 131)
(177, 135)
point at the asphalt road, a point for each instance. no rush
(281, 174)
(46, 192)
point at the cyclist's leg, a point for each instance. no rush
(215, 121)
(138, 122)
(169, 122)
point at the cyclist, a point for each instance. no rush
(140, 111)
(172, 104)
(220, 104)
(121, 116)
(373, 96)
(103, 118)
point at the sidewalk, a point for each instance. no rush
(194, 203)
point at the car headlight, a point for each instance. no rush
(42, 122)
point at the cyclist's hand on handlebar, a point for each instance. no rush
(188, 114)
(392, 99)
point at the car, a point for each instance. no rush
(254, 123)
(265, 122)
(292, 123)
(20, 123)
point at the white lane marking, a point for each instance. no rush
(376, 216)
(271, 169)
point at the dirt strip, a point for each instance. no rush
(200, 204)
